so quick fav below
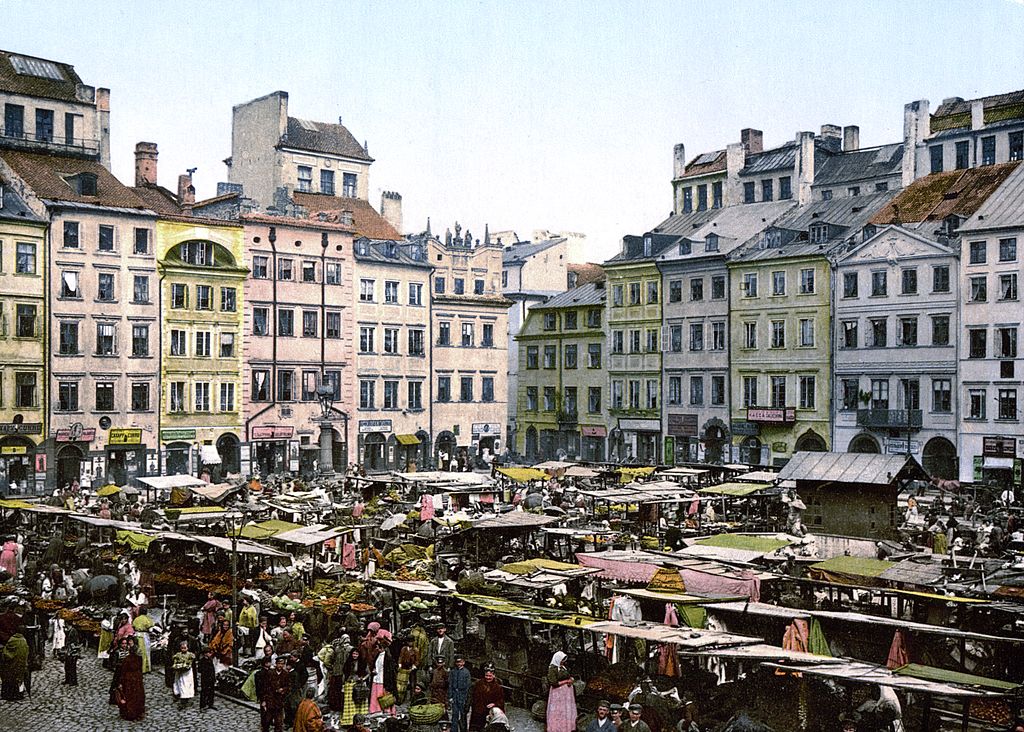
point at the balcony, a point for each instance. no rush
(892, 419)
(19, 140)
(568, 418)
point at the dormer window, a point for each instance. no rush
(362, 248)
(818, 233)
(869, 231)
(684, 247)
(648, 246)
(711, 243)
(84, 184)
(950, 225)
(391, 249)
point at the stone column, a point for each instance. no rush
(326, 447)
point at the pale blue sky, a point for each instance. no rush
(522, 114)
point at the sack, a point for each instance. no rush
(386, 700)
(360, 693)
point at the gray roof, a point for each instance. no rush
(520, 252)
(13, 207)
(850, 468)
(961, 106)
(323, 137)
(583, 296)
(784, 157)
(734, 225)
(686, 224)
(850, 167)
(388, 251)
(1004, 208)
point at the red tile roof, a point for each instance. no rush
(587, 273)
(365, 219)
(939, 195)
(49, 177)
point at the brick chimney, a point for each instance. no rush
(735, 160)
(186, 192)
(753, 140)
(832, 137)
(145, 164)
(103, 114)
(851, 138)
(916, 127)
(391, 209)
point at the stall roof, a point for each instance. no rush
(581, 471)
(553, 465)
(31, 507)
(757, 476)
(267, 529)
(855, 566)
(443, 476)
(105, 523)
(687, 638)
(166, 482)
(515, 520)
(734, 489)
(628, 474)
(676, 597)
(684, 471)
(532, 565)
(734, 547)
(532, 613)
(415, 587)
(766, 652)
(923, 569)
(851, 468)
(221, 542)
(216, 492)
(523, 475)
(931, 673)
(869, 673)
(538, 580)
(310, 535)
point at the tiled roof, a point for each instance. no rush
(998, 107)
(685, 224)
(734, 225)
(12, 207)
(582, 296)
(587, 272)
(1005, 207)
(365, 219)
(47, 176)
(709, 162)
(849, 167)
(520, 252)
(323, 137)
(29, 84)
(158, 199)
(939, 195)
(390, 251)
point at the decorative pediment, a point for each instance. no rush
(894, 244)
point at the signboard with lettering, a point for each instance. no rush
(682, 425)
(640, 425)
(76, 433)
(486, 428)
(13, 450)
(273, 432)
(898, 446)
(746, 429)
(374, 425)
(771, 415)
(999, 447)
(173, 435)
(24, 428)
(124, 436)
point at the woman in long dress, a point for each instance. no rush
(131, 701)
(9, 557)
(184, 678)
(355, 691)
(561, 715)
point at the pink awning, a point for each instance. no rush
(594, 431)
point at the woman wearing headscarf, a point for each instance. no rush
(368, 649)
(385, 675)
(561, 714)
(131, 696)
(355, 692)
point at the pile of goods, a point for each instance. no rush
(80, 620)
(329, 596)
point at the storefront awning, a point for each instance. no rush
(407, 439)
(108, 490)
(523, 475)
(209, 455)
(594, 431)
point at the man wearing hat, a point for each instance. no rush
(487, 693)
(441, 647)
(615, 711)
(459, 684)
(602, 721)
(634, 723)
(439, 683)
(849, 721)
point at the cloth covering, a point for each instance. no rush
(796, 636)
(898, 655)
(816, 642)
(668, 654)
(693, 616)
(308, 717)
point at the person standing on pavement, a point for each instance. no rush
(131, 692)
(634, 723)
(223, 646)
(248, 621)
(459, 683)
(441, 647)
(561, 711)
(184, 678)
(261, 681)
(308, 717)
(439, 683)
(209, 610)
(264, 636)
(70, 655)
(487, 694)
(207, 679)
(14, 666)
(278, 685)
(385, 675)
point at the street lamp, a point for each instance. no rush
(325, 395)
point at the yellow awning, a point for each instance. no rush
(108, 490)
(522, 475)
(407, 439)
(628, 475)
(14, 503)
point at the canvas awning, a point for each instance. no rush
(553, 465)
(734, 489)
(579, 471)
(209, 455)
(523, 475)
(167, 482)
(846, 570)
(407, 439)
(108, 490)
(683, 637)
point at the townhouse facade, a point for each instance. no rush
(562, 407)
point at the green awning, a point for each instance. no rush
(266, 529)
(941, 675)
(763, 544)
(523, 475)
(135, 540)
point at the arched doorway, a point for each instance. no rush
(864, 444)
(810, 441)
(939, 458)
(69, 464)
(548, 444)
(531, 444)
(373, 452)
(716, 436)
(444, 453)
(228, 447)
(750, 451)
(339, 452)
(176, 462)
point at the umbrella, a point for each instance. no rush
(393, 521)
(108, 490)
(100, 584)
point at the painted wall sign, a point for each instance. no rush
(124, 436)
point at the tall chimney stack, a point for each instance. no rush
(916, 127)
(186, 192)
(804, 166)
(679, 161)
(145, 164)
(851, 138)
(391, 209)
(753, 140)
(103, 112)
(735, 160)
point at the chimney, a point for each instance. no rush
(145, 164)
(753, 140)
(804, 166)
(851, 138)
(391, 209)
(832, 137)
(735, 160)
(679, 161)
(103, 114)
(977, 114)
(916, 127)
(186, 192)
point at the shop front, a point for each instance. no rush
(640, 439)
(17, 465)
(592, 447)
(270, 448)
(71, 452)
(716, 441)
(998, 464)
(176, 450)
(486, 437)
(770, 444)
(373, 444)
(126, 455)
(445, 449)
(685, 443)
(407, 451)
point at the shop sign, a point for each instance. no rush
(124, 436)
(640, 425)
(76, 433)
(594, 431)
(898, 446)
(175, 435)
(670, 448)
(785, 415)
(23, 428)
(779, 447)
(682, 425)
(13, 450)
(374, 425)
(486, 428)
(746, 429)
(999, 447)
(273, 432)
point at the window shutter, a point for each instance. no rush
(665, 345)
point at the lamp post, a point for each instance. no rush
(325, 395)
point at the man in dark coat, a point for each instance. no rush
(487, 693)
(459, 684)
(207, 679)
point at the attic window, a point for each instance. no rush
(391, 249)
(648, 245)
(346, 217)
(84, 184)
(684, 247)
(950, 225)
(818, 233)
(711, 243)
(362, 248)
(36, 67)
(869, 231)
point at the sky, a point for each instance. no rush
(521, 115)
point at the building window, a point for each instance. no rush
(849, 334)
(14, 120)
(942, 395)
(24, 390)
(348, 185)
(260, 321)
(416, 342)
(391, 340)
(618, 345)
(332, 324)
(549, 398)
(141, 242)
(487, 391)
(940, 330)
(286, 322)
(940, 278)
(594, 355)
(176, 396)
(140, 396)
(532, 357)
(467, 335)
(778, 283)
(634, 341)
(851, 394)
(718, 336)
(309, 271)
(327, 182)
(531, 399)
(71, 235)
(227, 397)
(785, 188)
(414, 394)
(778, 334)
(963, 155)
(478, 287)
(908, 281)
(652, 292)
(617, 396)
(309, 323)
(749, 391)
(879, 284)
(260, 385)
(979, 289)
(106, 339)
(550, 354)
(285, 270)
(140, 340)
(259, 268)
(67, 396)
(439, 285)
(44, 125)
(806, 332)
(106, 238)
(179, 342)
(750, 335)
(105, 287)
(570, 356)
(778, 392)
(228, 300)
(850, 282)
(879, 393)
(550, 321)
(285, 385)
(808, 385)
(687, 200)
(717, 390)
(634, 394)
(908, 332)
(1006, 342)
(594, 399)
(748, 192)
(1008, 286)
(826, 195)
(203, 340)
(1008, 404)
(444, 388)
(1016, 145)
(652, 340)
(978, 252)
(696, 391)
(879, 332)
(696, 336)
(367, 397)
(653, 388)
(105, 396)
(853, 191)
(305, 178)
(366, 290)
(675, 389)
(767, 190)
(718, 287)
(179, 296)
(976, 408)
(390, 394)
(617, 296)
(716, 194)
(988, 150)
(204, 297)
(977, 339)
(818, 233)
(675, 336)
(227, 345)
(332, 273)
(697, 289)
(366, 339)
(459, 286)
(702, 198)
(25, 258)
(415, 293)
(750, 284)
(935, 156)
(140, 289)
(69, 285)
(634, 293)
(68, 338)
(675, 291)
(466, 389)
(1007, 250)
(685, 247)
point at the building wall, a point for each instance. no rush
(517, 314)
(87, 368)
(194, 425)
(290, 160)
(948, 140)
(790, 361)
(851, 510)
(276, 429)
(24, 359)
(256, 128)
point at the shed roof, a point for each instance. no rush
(862, 164)
(857, 566)
(521, 251)
(582, 296)
(1003, 208)
(850, 468)
(956, 113)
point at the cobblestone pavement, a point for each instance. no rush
(84, 708)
